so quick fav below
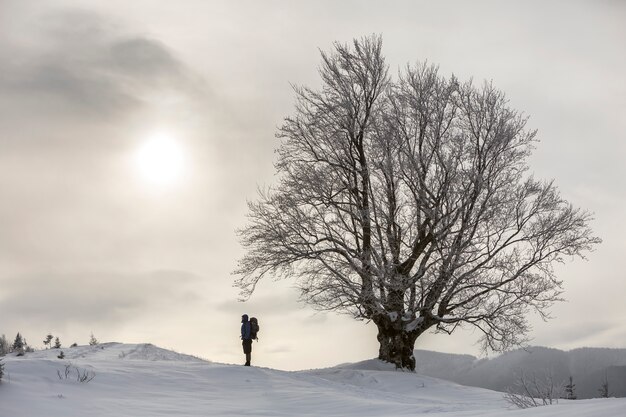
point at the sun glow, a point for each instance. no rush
(160, 160)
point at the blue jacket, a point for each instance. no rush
(245, 327)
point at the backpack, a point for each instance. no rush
(254, 327)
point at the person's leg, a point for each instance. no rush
(247, 349)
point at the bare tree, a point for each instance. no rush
(533, 391)
(409, 203)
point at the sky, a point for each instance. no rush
(97, 97)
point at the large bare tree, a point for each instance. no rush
(408, 202)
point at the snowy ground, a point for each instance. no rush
(144, 380)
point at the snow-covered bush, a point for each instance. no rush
(1, 369)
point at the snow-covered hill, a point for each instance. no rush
(144, 380)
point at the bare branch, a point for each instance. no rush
(410, 201)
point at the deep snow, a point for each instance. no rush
(144, 380)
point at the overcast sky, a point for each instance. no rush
(92, 239)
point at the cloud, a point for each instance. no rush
(84, 64)
(280, 303)
(591, 332)
(140, 57)
(78, 92)
(92, 298)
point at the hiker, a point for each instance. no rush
(246, 338)
(249, 331)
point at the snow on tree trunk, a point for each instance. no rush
(396, 337)
(397, 347)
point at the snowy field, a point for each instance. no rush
(144, 380)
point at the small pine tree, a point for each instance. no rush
(604, 388)
(18, 344)
(93, 341)
(57, 343)
(570, 393)
(48, 341)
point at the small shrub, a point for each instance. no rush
(61, 355)
(82, 375)
(66, 372)
(74, 345)
(1, 369)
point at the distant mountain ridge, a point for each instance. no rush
(588, 367)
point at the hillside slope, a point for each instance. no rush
(144, 380)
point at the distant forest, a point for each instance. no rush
(590, 368)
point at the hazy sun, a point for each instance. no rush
(160, 160)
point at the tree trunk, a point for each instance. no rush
(396, 345)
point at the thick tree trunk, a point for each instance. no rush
(396, 345)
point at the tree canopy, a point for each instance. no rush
(408, 201)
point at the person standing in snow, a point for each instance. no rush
(246, 338)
